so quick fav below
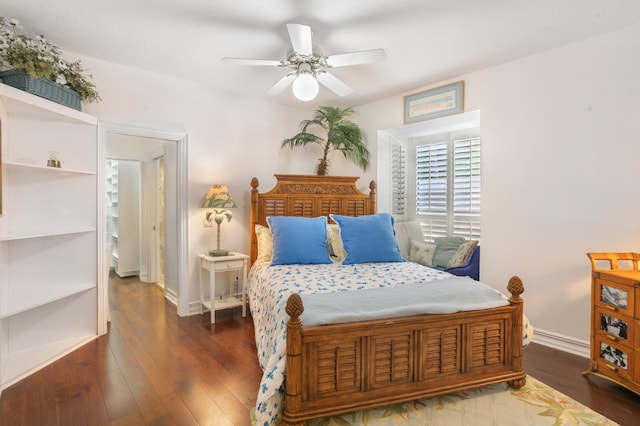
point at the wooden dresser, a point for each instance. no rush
(615, 318)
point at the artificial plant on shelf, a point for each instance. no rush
(42, 59)
(342, 135)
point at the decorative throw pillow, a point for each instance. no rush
(265, 246)
(463, 252)
(446, 247)
(421, 253)
(299, 240)
(334, 242)
(368, 238)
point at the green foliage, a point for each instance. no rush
(342, 135)
(40, 58)
(75, 79)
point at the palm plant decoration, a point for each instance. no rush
(342, 135)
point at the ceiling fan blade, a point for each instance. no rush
(300, 36)
(261, 62)
(334, 84)
(282, 84)
(356, 58)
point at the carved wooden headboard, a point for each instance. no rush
(308, 196)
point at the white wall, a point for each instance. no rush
(230, 140)
(560, 164)
(560, 160)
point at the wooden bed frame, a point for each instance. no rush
(341, 368)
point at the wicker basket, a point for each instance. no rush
(43, 88)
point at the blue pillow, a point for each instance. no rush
(368, 238)
(299, 240)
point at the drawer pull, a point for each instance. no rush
(611, 367)
(612, 308)
(613, 338)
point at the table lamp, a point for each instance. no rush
(219, 200)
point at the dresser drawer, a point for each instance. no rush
(615, 297)
(614, 359)
(232, 264)
(615, 327)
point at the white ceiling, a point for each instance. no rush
(426, 41)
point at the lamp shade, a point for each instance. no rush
(305, 87)
(218, 197)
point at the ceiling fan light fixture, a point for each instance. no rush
(305, 87)
(308, 65)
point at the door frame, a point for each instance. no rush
(181, 139)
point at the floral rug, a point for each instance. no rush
(496, 405)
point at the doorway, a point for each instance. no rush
(153, 149)
(135, 207)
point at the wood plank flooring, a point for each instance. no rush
(155, 368)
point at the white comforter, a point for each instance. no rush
(270, 287)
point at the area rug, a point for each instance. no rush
(497, 405)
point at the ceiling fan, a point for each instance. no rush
(309, 66)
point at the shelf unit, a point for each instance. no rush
(48, 233)
(123, 215)
(111, 208)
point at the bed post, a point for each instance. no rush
(516, 288)
(252, 220)
(372, 197)
(293, 381)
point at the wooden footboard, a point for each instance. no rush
(340, 368)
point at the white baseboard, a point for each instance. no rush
(171, 296)
(194, 308)
(561, 342)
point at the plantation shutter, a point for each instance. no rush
(466, 183)
(431, 178)
(466, 187)
(431, 188)
(448, 185)
(398, 179)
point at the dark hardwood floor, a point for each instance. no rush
(156, 368)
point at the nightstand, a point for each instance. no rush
(233, 262)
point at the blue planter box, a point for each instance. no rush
(43, 88)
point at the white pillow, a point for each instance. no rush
(334, 242)
(403, 245)
(265, 246)
(421, 253)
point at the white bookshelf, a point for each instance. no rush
(48, 233)
(123, 215)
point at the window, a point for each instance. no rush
(430, 172)
(448, 184)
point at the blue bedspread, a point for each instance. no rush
(447, 296)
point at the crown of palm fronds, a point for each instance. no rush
(342, 135)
